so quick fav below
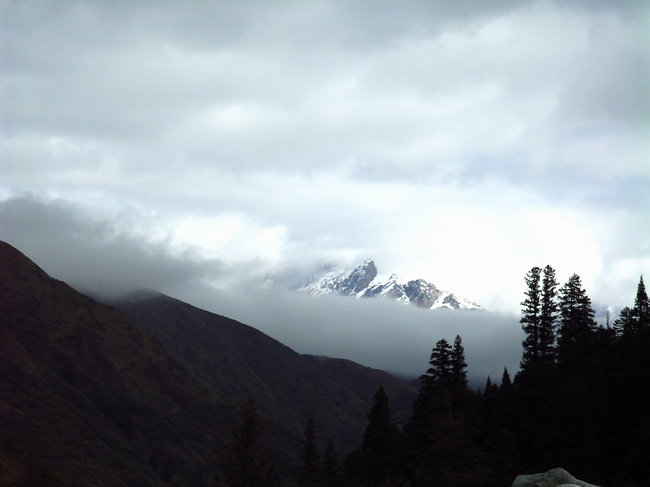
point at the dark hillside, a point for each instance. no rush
(89, 394)
(364, 381)
(96, 397)
(241, 362)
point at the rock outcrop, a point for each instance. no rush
(557, 477)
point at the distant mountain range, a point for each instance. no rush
(364, 282)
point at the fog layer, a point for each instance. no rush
(96, 255)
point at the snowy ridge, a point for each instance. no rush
(364, 282)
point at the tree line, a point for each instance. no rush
(581, 401)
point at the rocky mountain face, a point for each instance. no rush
(146, 394)
(364, 282)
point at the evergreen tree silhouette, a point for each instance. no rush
(458, 364)
(417, 429)
(331, 476)
(379, 440)
(531, 317)
(442, 432)
(506, 383)
(548, 316)
(641, 304)
(243, 463)
(309, 475)
(488, 388)
(641, 314)
(441, 373)
(577, 324)
(636, 351)
(452, 457)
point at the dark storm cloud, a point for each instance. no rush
(92, 253)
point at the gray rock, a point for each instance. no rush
(557, 477)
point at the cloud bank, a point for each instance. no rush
(214, 145)
(94, 256)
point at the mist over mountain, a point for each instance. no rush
(379, 333)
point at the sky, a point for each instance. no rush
(221, 151)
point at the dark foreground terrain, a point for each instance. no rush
(145, 391)
(149, 390)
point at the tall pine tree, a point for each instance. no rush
(531, 317)
(379, 440)
(331, 476)
(458, 364)
(418, 428)
(641, 313)
(243, 463)
(443, 396)
(548, 316)
(506, 382)
(449, 454)
(577, 324)
(309, 474)
(441, 373)
(634, 323)
(376, 461)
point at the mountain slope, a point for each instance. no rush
(84, 390)
(364, 282)
(241, 362)
(111, 399)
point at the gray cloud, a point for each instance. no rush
(95, 256)
(380, 334)
(406, 90)
(92, 253)
(462, 142)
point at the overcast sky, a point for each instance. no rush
(189, 146)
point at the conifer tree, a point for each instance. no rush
(548, 316)
(531, 317)
(488, 387)
(633, 324)
(577, 325)
(379, 440)
(506, 383)
(642, 308)
(624, 325)
(443, 395)
(243, 463)
(440, 374)
(458, 364)
(417, 429)
(638, 460)
(377, 437)
(309, 459)
(452, 457)
(331, 476)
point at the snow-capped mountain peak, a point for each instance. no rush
(346, 283)
(364, 282)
